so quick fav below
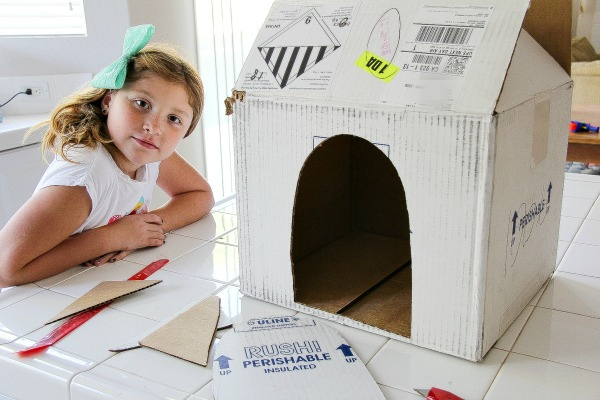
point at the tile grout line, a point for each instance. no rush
(557, 362)
(578, 274)
(585, 218)
(214, 239)
(377, 352)
(96, 364)
(516, 339)
(395, 388)
(564, 312)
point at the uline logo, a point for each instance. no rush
(271, 321)
(522, 223)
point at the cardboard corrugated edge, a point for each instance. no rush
(101, 294)
(189, 335)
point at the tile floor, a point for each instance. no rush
(552, 350)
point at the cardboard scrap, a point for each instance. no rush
(134, 342)
(189, 335)
(289, 358)
(101, 294)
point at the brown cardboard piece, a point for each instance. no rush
(103, 293)
(189, 335)
(549, 23)
(388, 306)
(350, 234)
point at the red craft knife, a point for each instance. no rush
(77, 320)
(437, 394)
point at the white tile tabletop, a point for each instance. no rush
(576, 207)
(19, 320)
(524, 377)
(573, 293)
(551, 351)
(561, 337)
(15, 294)
(214, 261)
(569, 227)
(217, 224)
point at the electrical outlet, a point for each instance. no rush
(39, 91)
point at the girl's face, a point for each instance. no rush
(146, 121)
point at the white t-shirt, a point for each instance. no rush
(113, 193)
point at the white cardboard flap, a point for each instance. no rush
(429, 54)
(289, 358)
(523, 82)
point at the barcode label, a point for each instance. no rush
(427, 59)
(456, 65)
(443, 34)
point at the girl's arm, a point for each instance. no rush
(191, 199)
(191, 195)
(36, 241)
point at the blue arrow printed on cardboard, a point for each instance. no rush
(522, 222)
(347, 352)
(223, 364)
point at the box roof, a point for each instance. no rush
(439, 54)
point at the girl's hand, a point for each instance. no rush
(136, 231)
(109, 258)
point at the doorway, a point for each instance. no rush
(350, 245)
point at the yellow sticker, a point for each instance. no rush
(377, 66)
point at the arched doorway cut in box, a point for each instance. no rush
(350, 244)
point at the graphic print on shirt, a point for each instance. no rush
(140, 208)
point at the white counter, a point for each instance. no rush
(13, 128)
(21, 162)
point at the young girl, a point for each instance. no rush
(113, 143)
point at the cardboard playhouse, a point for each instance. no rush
(400, 164)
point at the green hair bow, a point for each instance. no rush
(113, 76)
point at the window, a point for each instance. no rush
(226, 30)
(42, 18)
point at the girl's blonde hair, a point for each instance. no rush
(78, 119)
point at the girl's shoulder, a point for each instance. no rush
(80, 154)
(81, 165)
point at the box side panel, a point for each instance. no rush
(531, 146)
(441, 160)
(523, 82)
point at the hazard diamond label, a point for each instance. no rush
(298, 47)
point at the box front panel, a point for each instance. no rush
(441, 160)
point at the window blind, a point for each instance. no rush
(225, 30)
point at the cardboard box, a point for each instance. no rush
(400, 165)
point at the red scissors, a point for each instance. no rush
(437, 394)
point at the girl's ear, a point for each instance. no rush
(106, 100)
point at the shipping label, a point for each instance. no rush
(436, 55)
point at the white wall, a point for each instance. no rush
(106, 22)
(588, 22)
